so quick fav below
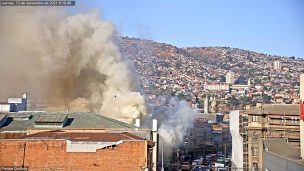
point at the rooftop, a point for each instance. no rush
(279, 109)
(82, 136)
(2, 116)
(75, 120)
(275, 145)
(54, 117)
(289, 152)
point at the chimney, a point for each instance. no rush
(154, 125)
(137, 123)
(24, 102)
(206, 105)
(301, 121)
(155, 148)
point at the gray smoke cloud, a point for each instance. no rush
(174, 120)
(173, 129)
(69, 62)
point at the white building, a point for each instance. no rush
(206, 105)
(14, 104)
(217, 87)
(237, 140)
(230, 78)
(277, 65)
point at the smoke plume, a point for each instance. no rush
(173, 129)
(174, 121)
(67, 62)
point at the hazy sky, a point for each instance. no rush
(269, 26)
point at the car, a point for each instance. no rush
(206, 163)
(197, 162)
(222, 169)
(219, 163)
(220, 153)
(220, 156)
(186, 166)
(200, 168)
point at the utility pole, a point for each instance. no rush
(162, 169)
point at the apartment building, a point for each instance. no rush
(268, 122)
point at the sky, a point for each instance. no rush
(270, 26)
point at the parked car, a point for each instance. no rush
(219, 163)
(197, 162)
(200, 168)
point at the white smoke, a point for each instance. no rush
(68, 62)
(173, 129)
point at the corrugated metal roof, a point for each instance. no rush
(21, 115)
(81, 136)
(88, 136)
(2, 116)
(51, 117)
(75, 120)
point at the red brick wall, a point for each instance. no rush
(10, 135)
(51, 154)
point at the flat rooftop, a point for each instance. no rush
(278, 109)
(283, 149)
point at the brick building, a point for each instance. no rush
(72, 141)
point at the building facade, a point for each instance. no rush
(277, 65)
(76, 151)
(73, 141)
(217, 87)
(230, 78)
(237, 139)
(270, 121)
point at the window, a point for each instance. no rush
(291, 120)
(255, 151)
(255, 166)
(254, 118)
(282, 119)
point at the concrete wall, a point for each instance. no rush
(5, 107)
(274, 162)
(237, 140)
(81, 146)
(51, 154)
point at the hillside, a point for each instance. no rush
(164, 68)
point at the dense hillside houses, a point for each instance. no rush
(187, 73)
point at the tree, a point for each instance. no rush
(257, 81)
(245, 99)
(234, 101)
(222, 78)
(266, 98)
